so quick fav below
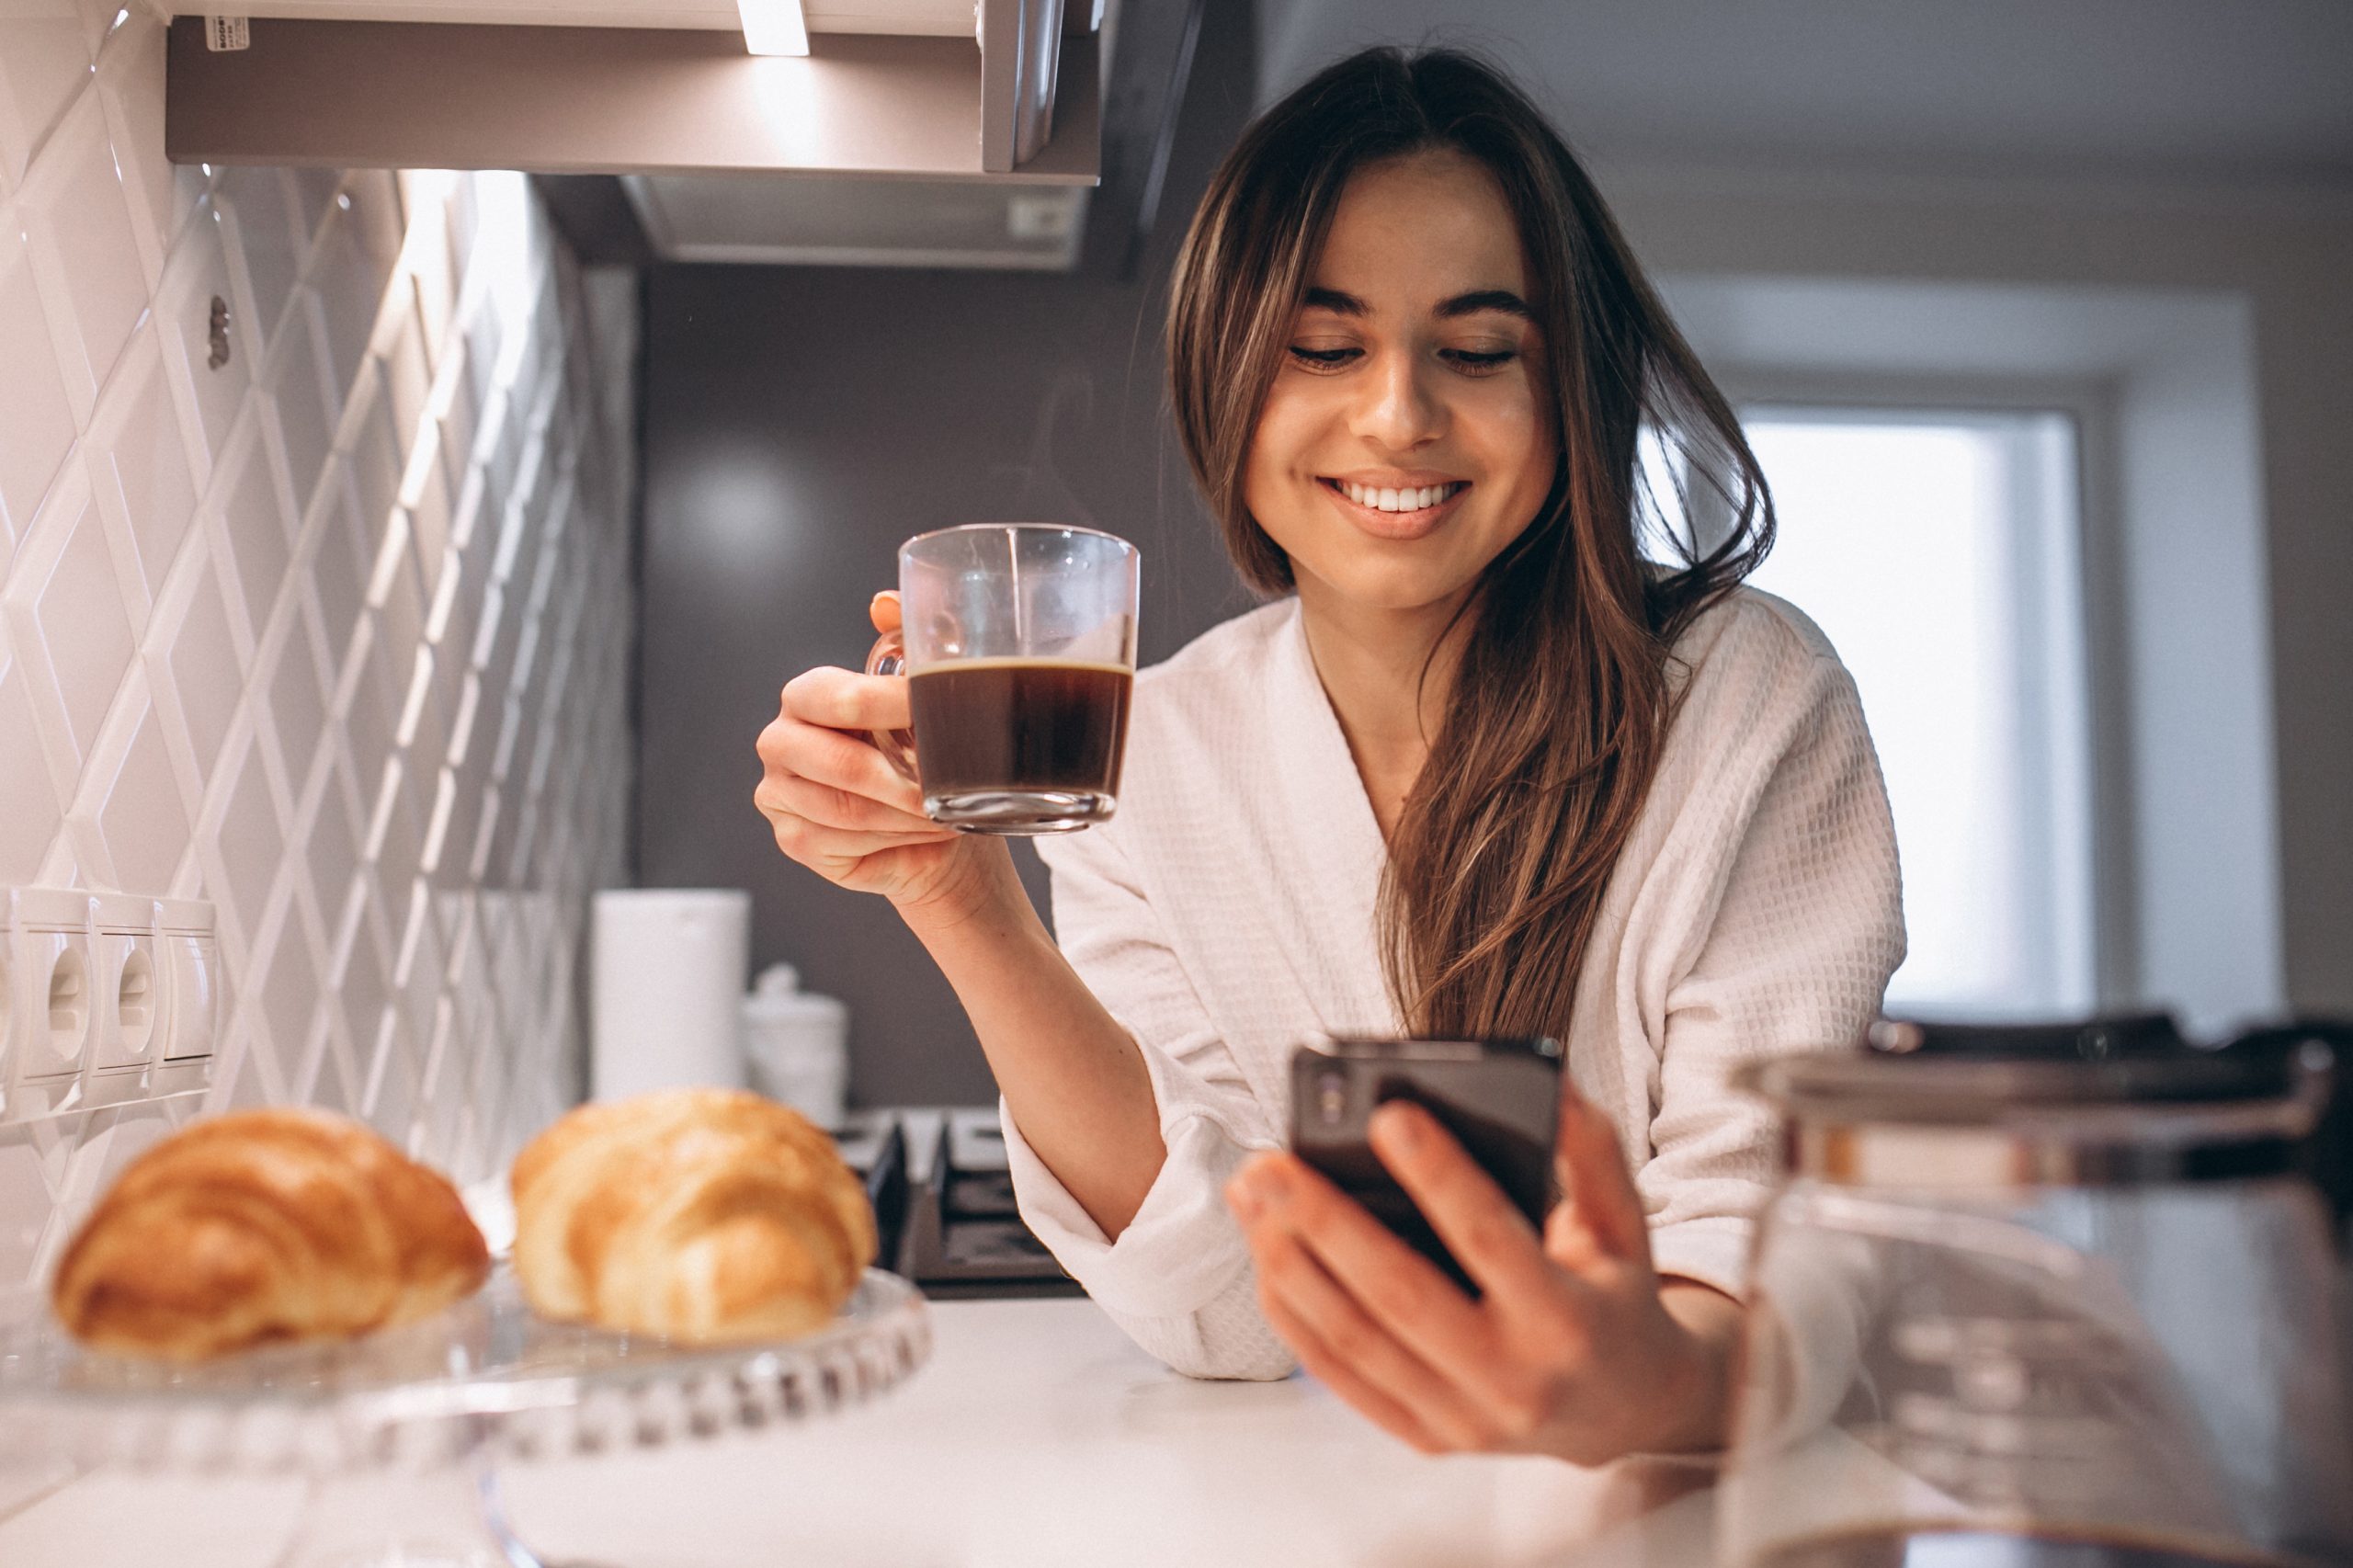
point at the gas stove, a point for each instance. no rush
(942, 1191)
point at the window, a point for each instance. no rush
(1940, 553)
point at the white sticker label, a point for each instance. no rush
(225, 35)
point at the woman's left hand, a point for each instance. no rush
(1575, 1349)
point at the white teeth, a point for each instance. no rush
(1394, 500)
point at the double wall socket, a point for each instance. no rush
(104, 998)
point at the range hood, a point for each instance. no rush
(919, 133)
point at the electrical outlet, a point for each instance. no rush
(105, 999)
(48, 948)
(189, 959)
(126, 983)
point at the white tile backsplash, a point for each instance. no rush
(34, 410)
(209, 397)
(204, 670)
(131, 90)
(44, 62)
(137, 459)
(75, 218)
(66, 613)
(291, 633)
(139, 811)
(259, 203)
(249, 516)
(28, 810)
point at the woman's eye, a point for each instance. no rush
(1322, 358)
(1479, 361)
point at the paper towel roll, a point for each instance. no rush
(670, 965)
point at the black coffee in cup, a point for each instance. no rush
(1015, 742)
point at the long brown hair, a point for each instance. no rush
(1563, 694)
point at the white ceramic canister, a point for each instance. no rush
(798, 1045)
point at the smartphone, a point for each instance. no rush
(1500, 1098)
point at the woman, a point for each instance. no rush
(1479, 768)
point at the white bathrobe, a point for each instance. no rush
(1226, 915)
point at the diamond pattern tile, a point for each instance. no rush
(288, 592)
(75, 215)
(350, 284)
(205, 346)
(291, 994)
(44, 62)
(134, 806)
(248, 508)
(298, 396)
(34, 409)
(28, 810)
(25, 1203)
(247, 837)
(65, 606)
(131, 90)
(298, 713)
(205, 672)
(374, 447)
(137, 458)
(259, 203)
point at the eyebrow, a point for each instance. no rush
(1468, 304)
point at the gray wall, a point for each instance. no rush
(800, 423)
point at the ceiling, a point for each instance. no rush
(939, 18)
(2194, 91)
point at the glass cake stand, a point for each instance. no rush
(398, 1433)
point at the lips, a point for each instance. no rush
(1396, 518)
(1402, 497)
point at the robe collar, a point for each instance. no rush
(1333, 845)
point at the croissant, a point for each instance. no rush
(265, 1225)
(703, 1215)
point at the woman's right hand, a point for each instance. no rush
(839, 808)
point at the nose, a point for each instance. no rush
(1396, 410)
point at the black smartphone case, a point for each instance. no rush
(1499, 1098)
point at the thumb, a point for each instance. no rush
(1600, 1214)
(884, 612)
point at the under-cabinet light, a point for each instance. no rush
(774, 27)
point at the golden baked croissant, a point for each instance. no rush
(706, 1215)
(265, 1225)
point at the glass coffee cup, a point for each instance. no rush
(1019, 641)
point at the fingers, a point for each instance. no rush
(843, 699)
(1329, 1369)
(827, 806)
(792, 747)
(1600, 1211)
(884, 612)
(1491, 1239)
(1340, 1344)
(1401, 1291)
(1350, 1347)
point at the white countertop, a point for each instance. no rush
(1037, 1436)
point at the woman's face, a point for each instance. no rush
(1408, 437)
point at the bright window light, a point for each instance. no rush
(774, 27)
(1939, 552)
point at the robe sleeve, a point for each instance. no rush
(1179, 1278)
(1794, 929)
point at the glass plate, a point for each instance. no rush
(487, 1373)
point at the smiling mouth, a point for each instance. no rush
(1402, 501)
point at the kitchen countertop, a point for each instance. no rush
(1038, 1435)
